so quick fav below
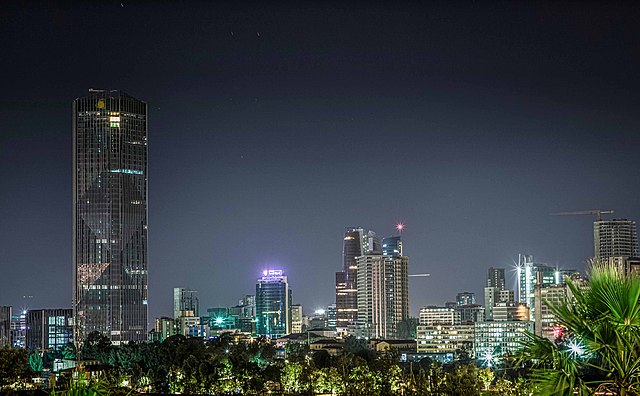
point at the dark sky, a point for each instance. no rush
(272, 126)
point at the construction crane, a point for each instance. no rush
(419, 275)
(597, 212)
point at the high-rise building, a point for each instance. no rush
(493, 296)
(529, 274)
(614, 238)
(296, 318)
(185, 302)
(5, 326)
(546, 323)
(392, 246)
(356, 243)
(465, 298)
(49, 329)
(383, 294)
(331, 316)
(495, 278)
(19, 329)
(273, 304)
(110, 257)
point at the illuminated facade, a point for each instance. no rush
(49, 329)
(442, 339)
(110, 216)
(530, 274)
(430, 316)
(495, 339)
(273, 304)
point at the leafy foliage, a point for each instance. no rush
(601, 349)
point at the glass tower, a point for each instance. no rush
(273, 304)
(110, 216)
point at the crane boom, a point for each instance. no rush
(597, 212)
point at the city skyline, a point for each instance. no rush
(262, 151)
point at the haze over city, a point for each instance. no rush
(272, 127)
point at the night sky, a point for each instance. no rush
(272, 126)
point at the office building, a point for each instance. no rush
(273, 304)
(510, 311)
(383, 294)
(185, 302)
(19, 329)
(431, 315)
(615, 238)
(356, 242)
(245, 314)
(492, 340)
(164, 328)
(5, 326)
(529, 274)
(331, 316)
(495, 278)
(192, 326)
(110, 257)
(48, 329)
(492, 296)
(446, 339)
(296, 318)
(392, 246)
(545, 321)
(471, 313)
(465, 298)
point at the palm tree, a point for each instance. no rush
(602, 339)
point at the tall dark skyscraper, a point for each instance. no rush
(110, 257)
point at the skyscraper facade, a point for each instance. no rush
(356, 242)
(392, 246)
(495, 278)
(273, 304)
(383, 294)
(5, 326)
(615, 238)
(530, 274)
(110, 258)
(185, 302)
